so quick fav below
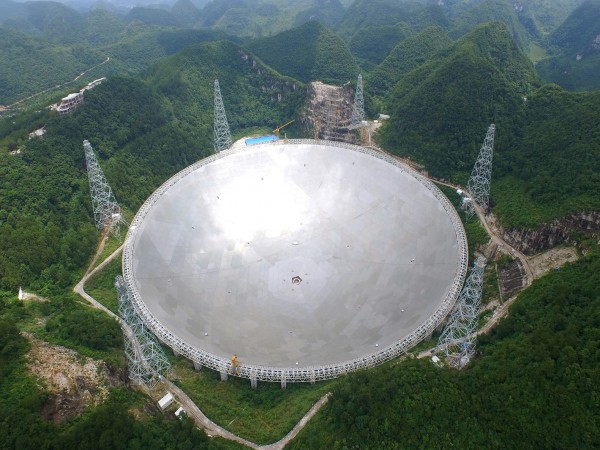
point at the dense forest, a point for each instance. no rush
(443, 71)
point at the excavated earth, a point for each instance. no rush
(74, 382)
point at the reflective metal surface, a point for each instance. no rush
(294, 255)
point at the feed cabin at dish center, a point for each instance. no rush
(306, 260)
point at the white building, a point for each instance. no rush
(70, 102)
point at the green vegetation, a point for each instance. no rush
(406, 56)
(101, 286)
(440, 111)
(575, 61)
(262, 415)
(534, 385)
(493, 11)
(376, 13)
(370, 45)
(32, 65)
(308, 53)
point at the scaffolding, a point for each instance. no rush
(146, 359)
(107, 213)
(459, 335)
(331, 111)
(221, 126)
(479, 181)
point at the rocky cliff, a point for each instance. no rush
(553, 233)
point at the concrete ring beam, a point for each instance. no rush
(306, 259)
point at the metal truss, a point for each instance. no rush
(221, 127)
(459, 335)
(107, 212)
(479, 181)
(358, 110)
(310, 374)
(146, 359)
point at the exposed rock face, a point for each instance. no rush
(73, 383)
(552, 233)
(328, 111)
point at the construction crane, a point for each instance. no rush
(276, 130)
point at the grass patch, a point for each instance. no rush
(101, 285)
(536, 53)
(262, 415)
(112, 243)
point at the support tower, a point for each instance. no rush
(458, 338)
(479, 181)
(145, 357)
(358, 110)
(107, 213)
(221, 127)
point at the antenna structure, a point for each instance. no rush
(221, 127)
(458, 338)
(479, 181)
(358, 110)
(146, 359)
(107, 213)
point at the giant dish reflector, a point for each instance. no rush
(305, 259)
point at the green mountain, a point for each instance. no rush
(370, 45)
(406, 56)
(308, 53)
(576, 63)
(186, 13)
(32, 65)
(152, 16)
(254, 95)
(492, 11)
(258, 18)
(537, 16)
(376, 13)
(440, 111)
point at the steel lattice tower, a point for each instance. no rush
(358, 110)
(146, 359)
(107, 212)
(221, 127)
(458, 338)
(479, 181)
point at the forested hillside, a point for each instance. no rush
(370, 45)
(440, 111)
(492, 11)
(375, 13)
(533, 385)
(30, 65)
(575, 60)
(308, 53)
(406, 56)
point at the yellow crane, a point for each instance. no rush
(276, 130)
